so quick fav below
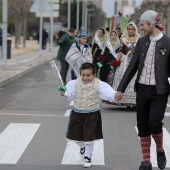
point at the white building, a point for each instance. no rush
(125, 7)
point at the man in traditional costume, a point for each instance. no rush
(152, 61)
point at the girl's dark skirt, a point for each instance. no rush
(85, 126)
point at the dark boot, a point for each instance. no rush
(145, 166)
(161, 160)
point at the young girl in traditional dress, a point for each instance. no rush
(85, 123)
(111, 57)
(98, 44)
(129, 99)
(79, 53)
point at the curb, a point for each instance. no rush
(17, 74)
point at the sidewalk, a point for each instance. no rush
(31, 46)
(25, 60)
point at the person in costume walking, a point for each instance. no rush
(132, 35)
(79, 53)
(85, 123)
(152, 61)
(65, 40)
(111, 57)
(98, 43)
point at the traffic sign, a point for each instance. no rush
(41, 6)
(44, 8)
(54, 1)
(48, 14)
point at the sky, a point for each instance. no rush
(108, 6)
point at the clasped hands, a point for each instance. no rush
(118, 96)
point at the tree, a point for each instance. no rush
(27, 4)
(19, 9)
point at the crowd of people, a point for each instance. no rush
(107, 52)
(121, 68)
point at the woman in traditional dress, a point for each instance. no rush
(111, 58)
(132, 35)
(98, 43)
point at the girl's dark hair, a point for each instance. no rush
(112, 32)
(89, 66)
(102, 30)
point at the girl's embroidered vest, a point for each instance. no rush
(87, 96)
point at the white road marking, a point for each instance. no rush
(168, 105)
(166, 145)
(72, 103)
(67, 113)
(72, 156)
(14, 140)
(21, 114)
(167, 113)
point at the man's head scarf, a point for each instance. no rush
(152, 17)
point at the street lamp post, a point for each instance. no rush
(78, 6)
(87, 14)
(69, 14)
(83, 16)
(89, 19)
(4, 34)
(52, 23)
(85, 23)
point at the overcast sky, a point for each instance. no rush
(108, 6)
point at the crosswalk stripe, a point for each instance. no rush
(167, 113)
(14, 140)
(67, 113)
(168, 105)
(71, 154)
(166, 142)
(28, 114)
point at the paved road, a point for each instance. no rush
(33, 121)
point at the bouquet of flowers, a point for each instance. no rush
(115, 63)
(113, 66)
(102, 58)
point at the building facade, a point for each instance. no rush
(160, 1)
(125, 7)
(97, 2)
